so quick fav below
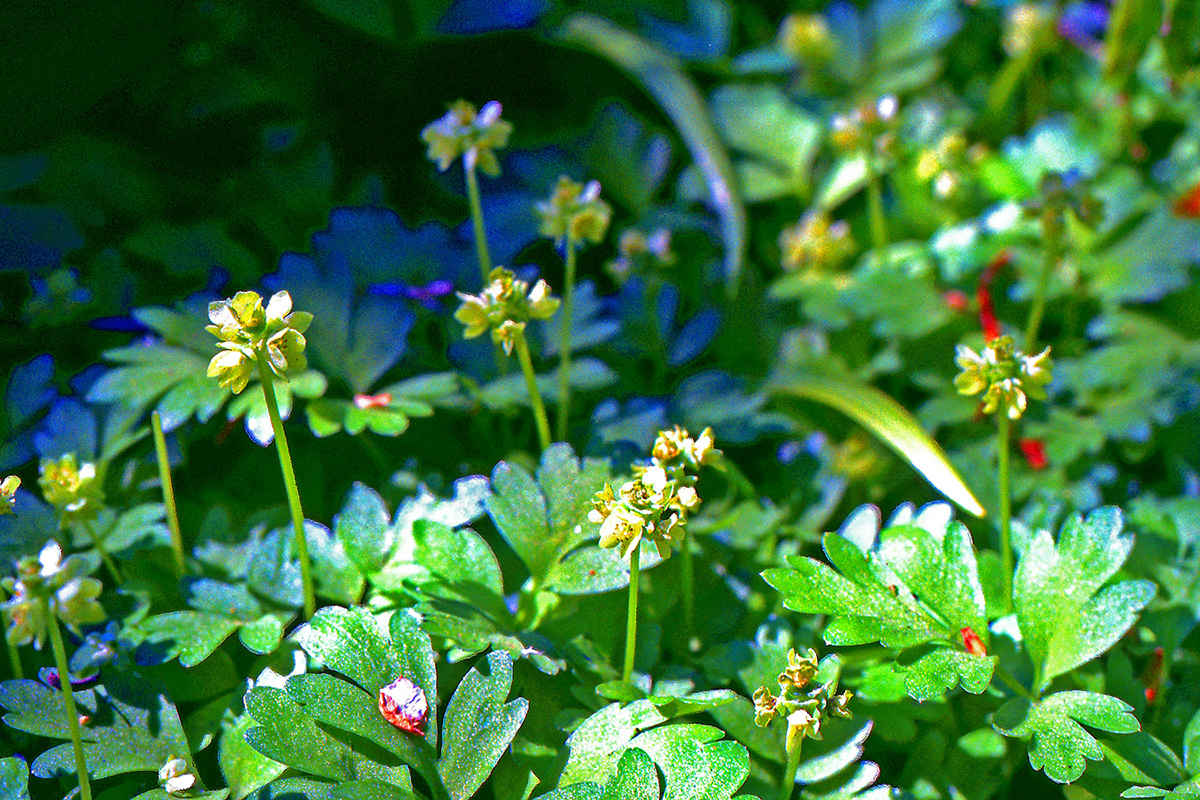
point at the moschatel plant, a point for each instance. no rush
(829, 250)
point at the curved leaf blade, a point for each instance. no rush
(892, 424)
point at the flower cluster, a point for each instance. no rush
(247, 330)
(46, 581)
(946, 166)
(867, 125)
(665, 488)
(637, 250)
(806, 38)
(71, 487)
(574, 211)
(804, 708)
(1057, 194)
(1006, 376)
(504, 306)
(8, 494)
(461, 131)
(815, 243)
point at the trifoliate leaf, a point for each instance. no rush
(1058, 744)
(1066, 618)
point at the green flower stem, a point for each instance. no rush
(564, 342)
(1012, 683)
(164, 475)
(1004, 468)
(789, 772)
(289, 482)
(689, 587)
(109, 564)
(875, 205)
(631, 620)
(535, 398)
(481, 247)
(64, 680)
(1034, 324)
(14, 655)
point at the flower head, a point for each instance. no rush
(637, 250)
(766, 705)
(462, 131)
(71, 487)
(1006, 376)
(574, 211)
(806, 38)
(799, 671)
(176, 776)
(815, 243)
(8, 494)
(246, 329)
(48, 581)
(504, 306)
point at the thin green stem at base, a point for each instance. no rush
(789, 772)
(564, 341)
(168, 489)
(289, 482)
(1012, 683)
(481, 247)
(535, 398)
(875, 206)
(1004, 468)
(109, 564)
(14, 655)
(689, 588)
(64, 680)
(1038, 310)
(631, 620)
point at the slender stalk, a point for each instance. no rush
(1004, 468)
(535, 398)
(1012, 683)
(109, 564)
(875, 205)
(564, 369)
(631, 620)
(689, 587)
(64, 680)
(14, 655)
(481, 247)
(789, 772)
(164, 475)
(289, 482)
(1036, 312)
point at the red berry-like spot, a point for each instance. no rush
(373, 400)
(403, 704)
(956, 300)
(1034, 451)
(972, 642)
(1188, 206)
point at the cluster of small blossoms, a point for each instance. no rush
(815, 243)
(8, 494)
(504, 307)
(806, 38)
(1056, 197)
(464, 132)
(804, 708)
(1006, 376)
(946, 165)
(246, 329)
(869, 125)
(176, 777)
(50, 580)
(637, 250)
(71, 487)
(574, 210)
(667, 487)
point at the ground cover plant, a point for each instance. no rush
(664, 399)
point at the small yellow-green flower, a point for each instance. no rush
(8, 494)
(60, 583)
(71, 487)
(638, 250)
(504, 306)
(766, 706)
(462, 131)
(246, 329)
(799, 671)
(1006, 376)
(576, 210)
(806, 37)
(815, 243)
